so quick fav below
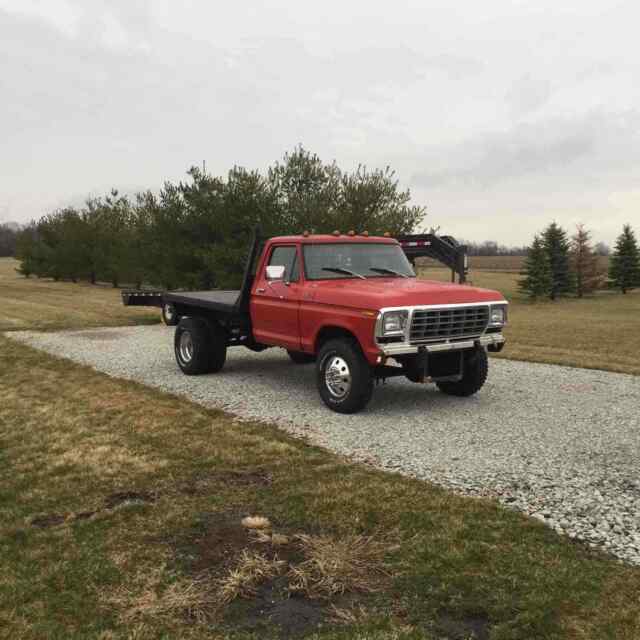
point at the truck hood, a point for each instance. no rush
(378, 293)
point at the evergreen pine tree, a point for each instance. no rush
(624, 269)
(536, 272)
(556, 246)
(584, 261)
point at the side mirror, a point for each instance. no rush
(275, 272)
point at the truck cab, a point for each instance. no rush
(362, 291)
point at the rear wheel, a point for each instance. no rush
(169, 315)
(298, 357)
(343, 376)
(476, 369)
(200, 346)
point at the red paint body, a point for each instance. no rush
(292, 315)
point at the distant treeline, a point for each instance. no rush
(558, 265)
(491, 248)
(196, 234)
(8, 239)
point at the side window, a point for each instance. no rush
(286, 257)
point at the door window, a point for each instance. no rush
(286, 257)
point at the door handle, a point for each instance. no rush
(260, 290)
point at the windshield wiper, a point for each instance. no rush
(341, 270)
(386, 270)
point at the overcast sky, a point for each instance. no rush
(501, 116)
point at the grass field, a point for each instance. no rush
(121, 508)
(30, 303)
(120, 517)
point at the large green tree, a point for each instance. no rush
(536, 271)
(624, 268)
(584, 262)
(556, 245)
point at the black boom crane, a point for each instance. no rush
(444, 249)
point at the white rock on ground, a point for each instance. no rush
(560, 444)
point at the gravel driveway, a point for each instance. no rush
(561, 444)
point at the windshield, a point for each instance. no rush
(354, 260)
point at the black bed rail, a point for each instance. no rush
(142, 297)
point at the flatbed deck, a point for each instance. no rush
(220, 300)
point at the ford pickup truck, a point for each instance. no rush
(352, 305)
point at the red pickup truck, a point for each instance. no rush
(352, 305)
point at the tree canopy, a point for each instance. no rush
(196, 234)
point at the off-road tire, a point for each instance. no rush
(208, 342)
(474, 375)
(169, 315)
(299, 357)
(360, 388)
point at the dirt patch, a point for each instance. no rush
(294, 616)
(48, 520)
(274, 579)
(473, 626)
(219, 539)
(121, 497)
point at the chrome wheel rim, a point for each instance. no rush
(186, 347)
(337, 377)
(168, 311)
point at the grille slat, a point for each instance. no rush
(436, 324)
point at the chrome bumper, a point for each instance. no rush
(402, 348)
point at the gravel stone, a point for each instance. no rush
(559, 444)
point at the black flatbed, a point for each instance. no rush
(217, 300)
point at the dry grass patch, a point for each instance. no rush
(333, 567)
(251, 570)
(192, 598)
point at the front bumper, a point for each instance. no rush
(402, 348)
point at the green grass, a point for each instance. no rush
(32, 303)
(596, 332)
(75, 564)
(71, 437)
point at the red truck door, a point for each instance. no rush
(275, 304)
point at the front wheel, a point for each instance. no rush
(343, 376)
(200, 346)
(474, 375)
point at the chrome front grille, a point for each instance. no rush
(456, 322)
